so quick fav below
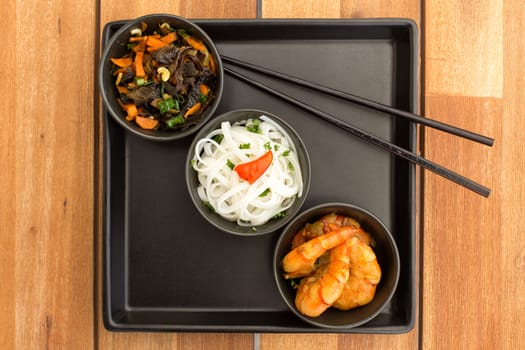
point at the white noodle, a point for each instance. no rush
(234, 198)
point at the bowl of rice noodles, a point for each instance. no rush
(248, 172)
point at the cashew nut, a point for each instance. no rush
(136, 31)
(164, 73)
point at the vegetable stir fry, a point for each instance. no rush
(166, 80)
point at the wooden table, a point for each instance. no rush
(472, 255)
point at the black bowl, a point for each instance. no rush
(117, 47)
(229, 226)
(386, 252)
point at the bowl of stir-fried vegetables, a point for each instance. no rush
(161, 77)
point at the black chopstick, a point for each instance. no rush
(364, 102)
(392, 148)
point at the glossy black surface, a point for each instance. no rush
(167, 269)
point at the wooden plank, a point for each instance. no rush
(461, 276)
(116, 10)
(47, 151)
(473, 257)
(340, 9)
(512, 180)
(8, 109)
(464, 51)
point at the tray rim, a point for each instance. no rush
(111, 324)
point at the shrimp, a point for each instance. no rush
(300, 261)
(325, 224)
(318, 292)
(365, 274)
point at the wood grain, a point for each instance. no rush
(464, 55)
(472, 257)
(340, 9)
(47, 149)
(7, 184)
(117, 10)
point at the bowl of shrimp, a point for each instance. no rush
(248, 172)
(336, 266)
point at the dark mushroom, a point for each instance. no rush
(144, 95)
(166, 54)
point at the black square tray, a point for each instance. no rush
(166, 269)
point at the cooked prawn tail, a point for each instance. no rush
(301, 260)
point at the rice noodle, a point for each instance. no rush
(236, 199)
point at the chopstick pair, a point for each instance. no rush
(392, 148)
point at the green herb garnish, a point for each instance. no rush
(218, 138)
(254, 126)
(168, 104)
(267, 146)
(265, 192)
(244, 146)
(139, 81)
(290, 166)
(209, 206)
(230, 164)
(286, 153)
(172, 122)
(203, 98)
(279, 215)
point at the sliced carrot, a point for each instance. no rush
(122, 62)
(155, 43)
(131, 110)
(141, 46)
(169, 38)
(139, 67)
(122, 89)
(196, 44)
(146, 123)
(204, 89)
(193, 109)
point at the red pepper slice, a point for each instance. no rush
(252, 170)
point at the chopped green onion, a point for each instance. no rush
(254, 126)
(286, 153)
(203, 98)
(139, 81)
(177, 120)
(279, 215)
(167, 105)
(276, 147)
(267, 146)
(218, 138)
(290, 166)
(230, 164)
(209, 206)
(265, 192)
(244, 146)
